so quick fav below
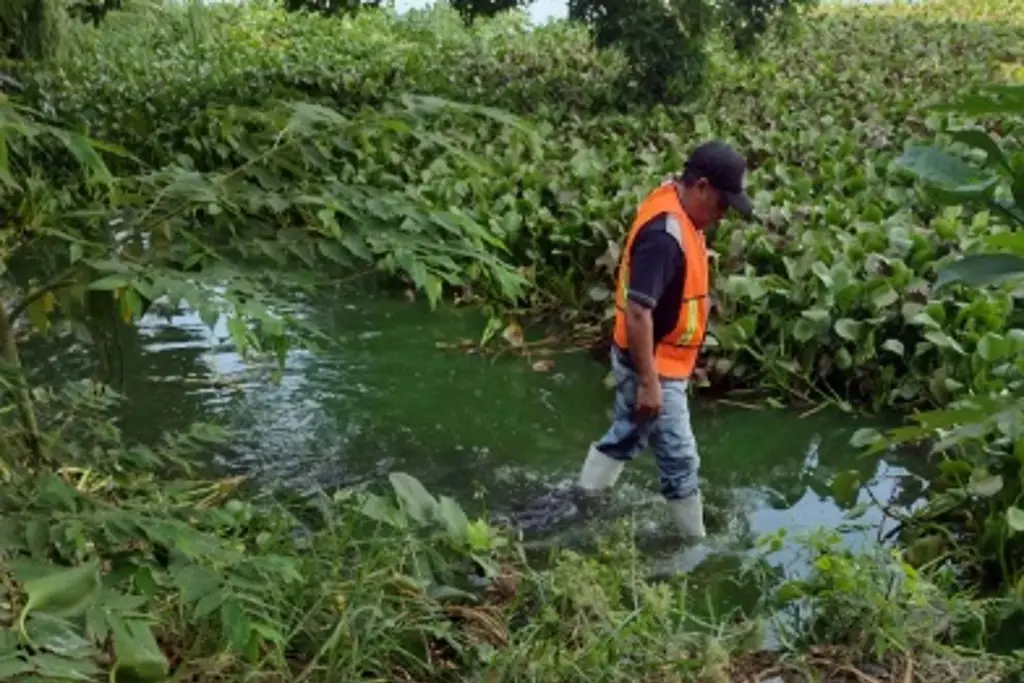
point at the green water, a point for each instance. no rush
(385, 397)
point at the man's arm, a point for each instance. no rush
(655, 262)
(640, 331)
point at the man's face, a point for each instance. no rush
(709, 205)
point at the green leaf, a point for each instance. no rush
(207, 604)
(804, 330)
(381, 510)
(992, 99)
(413, 497)
(925, 549)
(52, 667)
(893, 346)
(138, 658)
(12, 666)
(235, 624)
(865, 436)
(58, 636)
(980, 270)
(455, 519)
(83, 150)
(848, 329)
(110, 282)
(984, 484)
(983, 141)
(943, 341)
(65, 593)
(885, 298)
(37, 537)
(1015, 518)
(949, 173)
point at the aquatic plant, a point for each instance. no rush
(974, 512)
(269, 150)
(825, 298)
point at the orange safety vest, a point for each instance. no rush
(675, 354)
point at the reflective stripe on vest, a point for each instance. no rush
(676, 353)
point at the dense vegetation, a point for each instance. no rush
(250, 146)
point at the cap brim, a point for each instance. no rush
(741, 203)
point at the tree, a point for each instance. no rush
(665, 42)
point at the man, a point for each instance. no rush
(660, 323)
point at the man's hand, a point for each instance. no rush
(648, 400)
(641, 347)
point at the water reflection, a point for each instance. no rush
(385, 398)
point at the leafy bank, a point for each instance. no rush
(829, 298)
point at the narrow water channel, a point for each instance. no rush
(490, 432)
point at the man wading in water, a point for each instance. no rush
(660, 322)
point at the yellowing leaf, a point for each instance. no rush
(543, 365)
(513, 334)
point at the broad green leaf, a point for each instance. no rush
(382, 510)
(1015, 518)
(943, 340)
(980, 270)
(65, 593)
(984, 142)
(13, 665)
(54, 667)
(83, 150)
(58, 636)
(984, 484)
(454, 519)
(37, 536)
(804, 330)
(993, 347)
(791, 591)
(414, 498)
(1008, 241)
(111, 282)
(817, 315)
(207, 604)
(992, 99)
(893, 346)
(235, 624)
(885, 298)
(864, 437)
(949, 173)
(848, 329)
(137, 657)
(924, 550)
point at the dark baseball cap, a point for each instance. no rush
(724, 169)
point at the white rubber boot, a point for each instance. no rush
(688, 515)
(599, 471)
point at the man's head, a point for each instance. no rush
(712, 183)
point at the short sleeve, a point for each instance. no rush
(655, 262)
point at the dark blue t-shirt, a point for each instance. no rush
(657, 269)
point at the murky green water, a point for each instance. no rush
(387, 398)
